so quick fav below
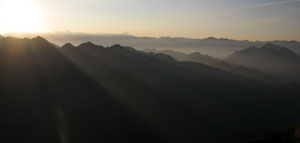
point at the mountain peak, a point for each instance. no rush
(278, 49)
(270, 45)
(268, 49)
(211, 38)
(119, 47)
(116, 46)
(40, 39)
(90, 45)
(196, 54)
(87, 44)
(68, 45)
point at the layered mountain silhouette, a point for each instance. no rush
(216, 47)
(47, 98)
(275, 60)
(91, 93)
(220, 64)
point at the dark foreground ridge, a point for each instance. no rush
(92, 93)
(288, 135)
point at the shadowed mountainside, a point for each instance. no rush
(90, 93)
(205, 59)
(204, 93)
(47, 98)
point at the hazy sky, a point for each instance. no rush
(236, 19)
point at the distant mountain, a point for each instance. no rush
(205, 59)
(276, 60)
(91, 93)
(216, 47)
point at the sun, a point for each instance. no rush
(19, 16)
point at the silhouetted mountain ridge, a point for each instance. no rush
(205, 59)
(46, 97)
(272, 59)
(91, 93)
(269, 50)
(89, 44)
(215, 47)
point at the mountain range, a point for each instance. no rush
(92, 93)
(220, 64)
(265, 64)
(215, 47)
(272, 59)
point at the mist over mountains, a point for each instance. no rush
(220, 64)
(264, 64)
(93, 93)
(215, 47)
(275, 60)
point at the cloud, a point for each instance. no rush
(259, 5)
(272, 3)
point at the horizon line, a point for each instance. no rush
(24, 34)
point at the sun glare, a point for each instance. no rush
(19, 16)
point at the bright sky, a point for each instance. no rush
(236, 19)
